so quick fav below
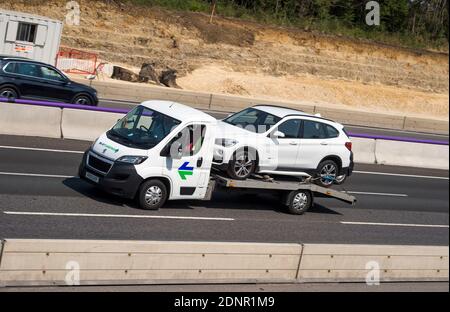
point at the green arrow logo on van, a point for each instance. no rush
(185, 171)
(115, 150)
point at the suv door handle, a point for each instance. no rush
(199, 162)
(323, 143)
(293, 143)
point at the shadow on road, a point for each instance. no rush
(97, 194)
(222, 199)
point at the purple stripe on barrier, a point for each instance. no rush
(396, 138)
(124, 111)
(66, 105)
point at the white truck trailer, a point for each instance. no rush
(164, 150)
(31, 36)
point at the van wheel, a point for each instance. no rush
(299, 202)
(242, 165)
(9, 93)
(327, 172)
(152, 195)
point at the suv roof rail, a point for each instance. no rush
(278, 106)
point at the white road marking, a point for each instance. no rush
(378, 194)
(401, 175)
(112, 216)
(395, 224)
(36, 175)
(40, 149)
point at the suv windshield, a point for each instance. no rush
(253, 120)
(142, 128)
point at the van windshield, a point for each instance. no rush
(142, 128)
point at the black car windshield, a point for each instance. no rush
(142, 128)
(253, 120)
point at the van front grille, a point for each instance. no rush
(98, 164)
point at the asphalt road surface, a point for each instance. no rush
(41, 197)
(352, 129)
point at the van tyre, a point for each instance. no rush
(152, 195)
(242, 165)
(327, 171)
(299, 202)
(9, 93)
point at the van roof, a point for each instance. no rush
(178, 111)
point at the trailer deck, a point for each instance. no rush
(288, 188)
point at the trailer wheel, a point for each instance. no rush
(299, 201)
(152, 195)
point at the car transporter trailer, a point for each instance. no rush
(296, 195)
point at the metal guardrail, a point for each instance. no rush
(124, 111)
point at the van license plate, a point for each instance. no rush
(92, 177)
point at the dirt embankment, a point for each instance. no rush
(245, 58)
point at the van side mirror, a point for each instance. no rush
(173, 149)
(278, 134)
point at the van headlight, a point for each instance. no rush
(226, 142)
(135, 160)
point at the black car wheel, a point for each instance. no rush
(82, 100)
(8, 92)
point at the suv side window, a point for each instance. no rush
(192, 138)
(28, 69)
(314, 130)
(11, 68)
(291, 128)
(51, 74)
(332, 132)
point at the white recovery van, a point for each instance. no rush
(164, 150)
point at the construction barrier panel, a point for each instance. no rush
(359, 263)
(86, 125)
(54, 262)
(30, 120)
(396, 153)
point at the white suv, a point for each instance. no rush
(282, 141)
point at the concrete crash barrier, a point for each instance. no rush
(398, 153)
(30, 120)
(359, 118)
(55, 262)
(426, 125)
(229, 103)
(363, 150)
(361, 263)
(86, 125)
(140, 93)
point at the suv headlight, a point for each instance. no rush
(226, 142)
(135, 160)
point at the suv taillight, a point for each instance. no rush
(348, 145)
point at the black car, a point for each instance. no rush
(28, 79)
